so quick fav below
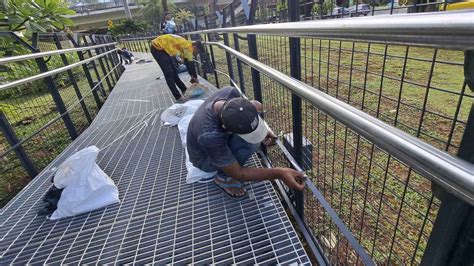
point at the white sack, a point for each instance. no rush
(194, 174)
(86, 186)
(180, 115)
(174, 113)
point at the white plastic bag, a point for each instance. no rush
(180, 115)
(174, 113)
(194, 174)
(86, 186)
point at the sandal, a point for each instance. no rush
(221, 184)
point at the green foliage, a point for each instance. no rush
(281, 6)
(326, 8)
(182, 16)
(152, 12)
(128, 26)
(34, 15)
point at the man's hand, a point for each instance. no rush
(293, 179)
(270, 139)
(194, 80)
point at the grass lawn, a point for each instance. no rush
(27, 114)
(389, 208)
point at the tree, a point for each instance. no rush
(326, 8)
(34, 15)
(183, 16)
(127, 26)
(165, 5)
(152, 12)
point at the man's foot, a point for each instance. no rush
(181, 100)
(231, 187)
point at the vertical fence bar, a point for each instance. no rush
(140, 42)
(55, 94)
(87, 73)
(295, 69)
(73, 80)
(103, 40)
(451, 239)
(230, 67)
(237, 48)
(101, 64)
(115, 57)
(216, 76)
(97, 39)
(12, 139)
(253, 53)
(89, 52)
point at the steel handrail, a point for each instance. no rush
(450, 30)
(139, 38)
(49, 53)
(74, 104)
(451, 173)
(52, 72)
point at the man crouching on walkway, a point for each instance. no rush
(223, 134)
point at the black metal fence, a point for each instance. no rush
(40, 116)
(383, 208)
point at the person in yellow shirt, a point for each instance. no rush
(169, 45)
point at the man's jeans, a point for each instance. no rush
(241, 149)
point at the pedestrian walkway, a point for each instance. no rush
(160, 219)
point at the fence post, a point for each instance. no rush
(101, 63)
(55, 94)
(295, 69)
(13, 140)
(116, 58)
(87, 73)
(216, 77)
(73, 80)
(230, 67)
(98, 40)
(253, 53)
(99, 86)
(113, 63)
(451, 241)
(237, 48)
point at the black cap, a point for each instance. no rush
(239, 116)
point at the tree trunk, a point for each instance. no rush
(165, 5)
(128, 14)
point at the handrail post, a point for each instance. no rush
(98, 40)
(237, 48)
(295, 69)
(72, 79)
(253, 53)
(87, 73)
(101, 64)
(216, 77)
(56, 96)
(12, 139)
(230, 67)
(451, 239)
(94, 66)
(103, 40)
(116, 58)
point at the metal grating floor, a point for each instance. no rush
(160, 219)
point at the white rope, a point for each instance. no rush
(137, 127)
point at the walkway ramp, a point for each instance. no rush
(160, 219)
